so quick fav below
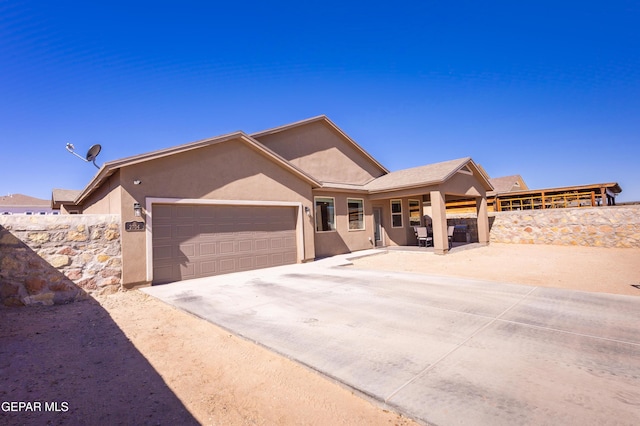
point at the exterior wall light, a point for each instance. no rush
(137, 182)
(307, 210)
(137, 209)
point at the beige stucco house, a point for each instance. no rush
(286, 195)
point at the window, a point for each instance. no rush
(414, 213)
(396, 213)
(325, 214)
(356, 214)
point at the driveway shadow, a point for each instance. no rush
(75, 366)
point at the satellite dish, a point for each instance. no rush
(91, 154)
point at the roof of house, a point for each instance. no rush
(22, 200)
(63, 196)
(324, 119)
(507, 183)
(111, 167)
(431, 174)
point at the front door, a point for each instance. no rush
(377, 226)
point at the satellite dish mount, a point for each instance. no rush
(91, 154)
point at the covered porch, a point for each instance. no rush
(417, 197)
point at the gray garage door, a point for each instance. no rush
(194, 241)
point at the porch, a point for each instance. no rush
(455, 247)
(417, 197)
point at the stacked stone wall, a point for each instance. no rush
(58, 259)
(614, 226)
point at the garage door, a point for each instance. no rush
(194, 241)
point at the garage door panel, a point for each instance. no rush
(289, 258)
(207, 249)
(261, 244)
(208, 267)
(161, 212)
(277, 259)
(245, 263)
(163, 273)
(226, 247)
(198, 241)
(162, 232)
(162, 252)
(205, 212)
(184, 231)
(206, 228)
(276, 243)
(290, 243)
(185, 212)
(262, 261)
(188, 271)
(227, 265)
(187, 250)
(245, 245)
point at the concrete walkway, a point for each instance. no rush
(440, 350)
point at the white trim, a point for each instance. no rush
(419, 211)
(149, 201)
(335, 216)
(392, 213)
(364, 226)
(373, 214)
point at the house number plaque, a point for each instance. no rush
(134, 226)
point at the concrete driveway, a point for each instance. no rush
(440, 350)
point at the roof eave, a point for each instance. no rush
(405, 187)
(109, 168)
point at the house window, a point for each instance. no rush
(325, 214)
(356, 214)
(414, 213)
(396, 213)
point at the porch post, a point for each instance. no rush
(483, 220)
(439, 212)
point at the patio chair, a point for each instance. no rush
(422, 235)
(450, 230)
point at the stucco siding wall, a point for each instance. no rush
(400, 236)
(58, 259)
(344, 240)
(228, 171)
(462, 184)
(105, 200)
(323, 153)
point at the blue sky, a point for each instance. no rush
(548, 90)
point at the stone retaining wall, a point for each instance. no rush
(615, 226)
(58, 259)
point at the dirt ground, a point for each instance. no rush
(129, 359)
(604, 270)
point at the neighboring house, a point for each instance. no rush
(24, 204)
(507, 184)
(63, 200)
(290, 194)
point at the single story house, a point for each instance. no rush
(21, 204)
(285, 195)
